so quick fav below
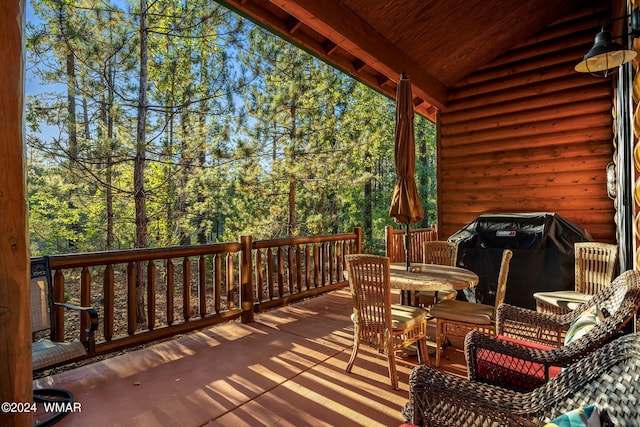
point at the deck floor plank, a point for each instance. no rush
(285, 369)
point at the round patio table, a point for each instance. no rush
(431, 277)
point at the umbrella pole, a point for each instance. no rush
(407, 247)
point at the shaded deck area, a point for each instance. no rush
(285, 369)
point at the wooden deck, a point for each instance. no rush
(285, 369)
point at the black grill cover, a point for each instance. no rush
(543, 255)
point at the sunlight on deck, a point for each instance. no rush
(285, 369)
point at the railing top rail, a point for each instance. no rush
(412, 230)
(287, 241)
(133, 255)
(226, 292)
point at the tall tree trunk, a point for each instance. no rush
(185, 171)
(172, 185)
(423, 181)
(110, 148)
(73, 139)
(203, 114)
(138, 171)
(186, 168)
(291, 224)
(71, 107)
(367, 211)
(202, 235)
(292, 208)
(85, 110)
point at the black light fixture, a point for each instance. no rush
(606, 55)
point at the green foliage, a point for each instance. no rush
(245, 134)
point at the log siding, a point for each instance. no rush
(529, 134)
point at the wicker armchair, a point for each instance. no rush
(378, 323)
(529, 346)
(595, 268)
(607, 378)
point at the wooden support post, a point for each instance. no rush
(358, 231)
(15, 322)
(246, 279)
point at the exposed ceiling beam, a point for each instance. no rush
(350, 32)
(281, 22)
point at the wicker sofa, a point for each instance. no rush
(608, 378)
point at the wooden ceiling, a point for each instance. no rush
(437, 42)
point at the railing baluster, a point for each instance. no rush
(217, 286)
(109, 302)
(307, 267)
(57, 325)
(151, 295)
(202, 295)
(259, 276)
(298, 268)
(186, 288)
(230, 283)
(323, 263)
(316, 265)
(270, 272)
(339, 258)
(292, 269)
(331, 261)
(171, 283)
(280, 272)
(85, 301)
(131, 298)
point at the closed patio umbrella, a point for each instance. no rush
(406, 207)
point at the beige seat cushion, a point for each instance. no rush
(463, 311)
(564, 299)
(49, 353)
(429, 296)
(405, 316)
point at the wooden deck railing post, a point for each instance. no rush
(246, 279)
(358, 233)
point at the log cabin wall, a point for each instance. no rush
(527, 133)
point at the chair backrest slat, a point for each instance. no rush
(440, 252)
(595, 266)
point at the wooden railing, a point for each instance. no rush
(191, 287)
(394, 243)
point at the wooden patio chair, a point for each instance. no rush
(378, 323)
(47, 352)
(457, 318)
(606, 378)
(531, 347)
(595, 268)
(440, 252)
